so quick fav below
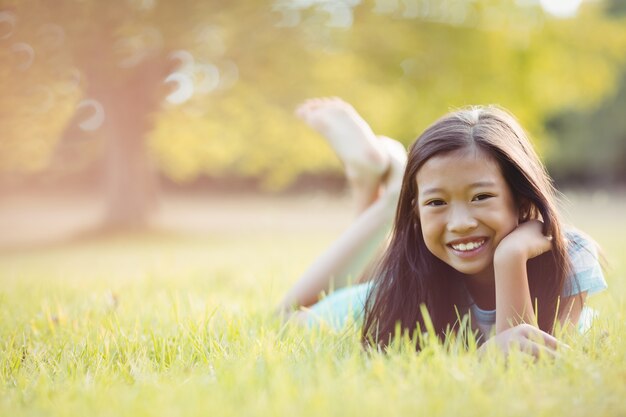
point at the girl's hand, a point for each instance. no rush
(526, 241)
(527, 338)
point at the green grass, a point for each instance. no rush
(167, 325)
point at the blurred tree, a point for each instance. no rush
(411, 66)
(400, 69)
(235, 70)
(616, 7)
(589, 146)
(112, 60)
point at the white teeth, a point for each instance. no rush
(463, 247)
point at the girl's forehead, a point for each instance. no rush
(458, 168)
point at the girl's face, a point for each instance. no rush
(465, 208)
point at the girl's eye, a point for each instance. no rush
(481, 197)
(435, 203)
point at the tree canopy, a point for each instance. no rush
(223, 77)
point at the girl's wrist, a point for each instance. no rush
(507, 257)
(509, 254)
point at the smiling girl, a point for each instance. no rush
(474, 230)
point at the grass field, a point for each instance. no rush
(179, 323)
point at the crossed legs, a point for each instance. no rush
(374, 167)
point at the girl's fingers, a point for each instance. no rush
(539, 336)
(536, 349)
(546, 339)
(527, 339)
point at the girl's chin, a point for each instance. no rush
(482, 275)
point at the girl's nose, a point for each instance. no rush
(461, 220)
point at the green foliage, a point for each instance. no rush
(590, 146)
(231, 139)
(401, 66)
(401, 74)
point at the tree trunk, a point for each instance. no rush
(130, 178)
(129, 98)
(130, 175)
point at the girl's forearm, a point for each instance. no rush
(513, 302)
(346, 258)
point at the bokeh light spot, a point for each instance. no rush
(184, 58)
(207, 78)
(184, 89)
(25, 55)
(7, 24)
(561, 8)
(340, 14)
(95, 117)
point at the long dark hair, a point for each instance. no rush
(409, 276)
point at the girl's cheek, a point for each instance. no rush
(508, 227)
(427, 225)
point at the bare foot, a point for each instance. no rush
(363, 155)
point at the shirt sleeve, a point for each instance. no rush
(586, 272)
(340, 307)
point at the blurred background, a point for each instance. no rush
(142, 114)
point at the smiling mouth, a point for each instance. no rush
(468, 246)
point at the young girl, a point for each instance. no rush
(476, 231)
